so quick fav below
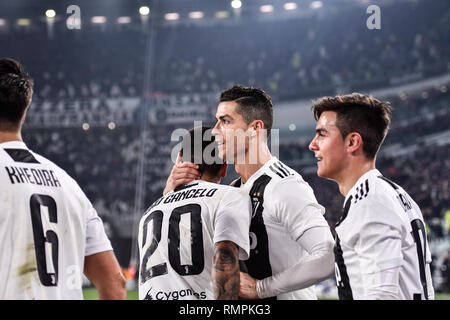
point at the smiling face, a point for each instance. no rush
(329, 147)
(230, 131)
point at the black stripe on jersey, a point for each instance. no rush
(258, 265)
(286, 169)
(277, 172)
(362, 191)
(184, 186)
(277, 165)
(345, 210)
(342, 279)
(343, 282)
(21, 155)
(236, 183)
(392, 184)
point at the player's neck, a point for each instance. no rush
(7, 136)
(351, 175)
(252, 163)
(209, 178)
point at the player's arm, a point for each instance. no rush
(318, 242)
(225, 271)
(100, 264)
(302, 218)
(182, 172)
(103, 270)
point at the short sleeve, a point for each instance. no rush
(96, 239)
(232, 221)
(296, 208)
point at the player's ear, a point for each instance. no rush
(223, 171)
(256, 126)
(353, 142)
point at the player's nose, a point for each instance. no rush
(313, 145)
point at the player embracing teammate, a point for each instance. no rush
(380, 250)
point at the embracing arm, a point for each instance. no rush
(319, 266)
(225, 271)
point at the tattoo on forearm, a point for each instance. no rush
(225, 271)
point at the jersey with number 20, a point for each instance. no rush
(177, 236)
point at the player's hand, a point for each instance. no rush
(247, 287)
(182, 172)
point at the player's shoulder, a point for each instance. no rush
(372, 189)
(290, 187)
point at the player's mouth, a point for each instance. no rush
(319, 159)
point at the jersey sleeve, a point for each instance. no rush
(379, 239)
(232, 221)
(295, 207)
(96, 239)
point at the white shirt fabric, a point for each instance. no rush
(47, 227)
(375, 236)
(177, 236)
(284, 207)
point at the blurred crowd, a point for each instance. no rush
(290, 58)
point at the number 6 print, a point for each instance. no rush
(48, 275)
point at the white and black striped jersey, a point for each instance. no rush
(177, 236)
(284, 207)
(47, 227)
(381, 228)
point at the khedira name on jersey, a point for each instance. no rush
(40, 177)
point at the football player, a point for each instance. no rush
(49, 231)
(381, 246)
(291, 242)
(191, 240)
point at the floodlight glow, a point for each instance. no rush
(196, 15)
(98, 19)
(144, 11)
(316, 4)
(222, 14)
(236, 4)
(290, 6)
(172, 16)
(85, 126)
(2, 22)
(111, 126)
(50, 13)
(123, 20)
(23, 22)
(266, 8)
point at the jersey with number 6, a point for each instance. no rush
(177, 236)
(381, 228)
(47, 227)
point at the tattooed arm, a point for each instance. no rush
(225, 271)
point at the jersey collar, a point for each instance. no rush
(259, 172)
(13, 145)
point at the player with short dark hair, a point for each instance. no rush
(50, 232)
(191, 239)
(381, 249)
(291, 242)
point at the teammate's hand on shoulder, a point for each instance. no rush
(182, 172)
(247, 287)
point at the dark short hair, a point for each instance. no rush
(254, 104)
(358, 113)
(16, 90)
(196, 136)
